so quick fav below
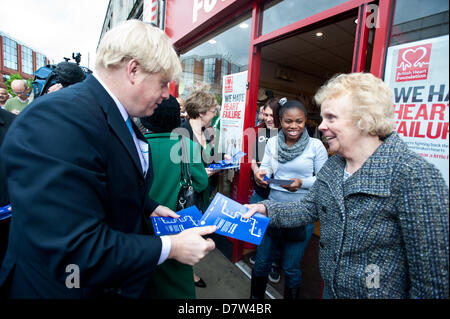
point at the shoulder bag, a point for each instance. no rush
(186, 195)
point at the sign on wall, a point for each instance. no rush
(185, 16)
(232, 113)
(418, 73)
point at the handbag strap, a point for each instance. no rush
(184, 163)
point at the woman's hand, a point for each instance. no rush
(255, 208)
(211, 172)
(259, 179)
(295, 186)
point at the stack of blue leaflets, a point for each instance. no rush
(5, 212)
(233, 162)
(226, 214)
(189, 217)
(223, 212)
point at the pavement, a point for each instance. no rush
(228, 280)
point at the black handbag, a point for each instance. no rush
(186, 195)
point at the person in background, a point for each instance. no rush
(260, 117)
(4, 96)
(291, 155)
(171, 279)
(267, 130)
(201, 109)
(383, 209)
(79, 175)
(67, 73)
(21, 100)
(183, 114)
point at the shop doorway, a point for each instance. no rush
(295, 67)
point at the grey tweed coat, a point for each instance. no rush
(388, 221)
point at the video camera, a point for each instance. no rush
(66, 73)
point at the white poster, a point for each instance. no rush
(418, 74)
(232, 113)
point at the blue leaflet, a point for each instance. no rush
(278, 181)
(226, 214)
(230, 163)
(189, 217)
(5, 212)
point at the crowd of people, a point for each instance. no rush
(86, 166)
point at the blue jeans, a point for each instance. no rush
(292, 254)
(326, 294)
(256, 198)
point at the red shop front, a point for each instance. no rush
(290, 48)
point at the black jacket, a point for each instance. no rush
(79, 197)
(6, 119)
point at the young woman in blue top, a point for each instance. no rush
(291, 155)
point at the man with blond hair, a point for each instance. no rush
(79, 179)
(21, 100)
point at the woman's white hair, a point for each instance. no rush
(372, 106)
(138, 40)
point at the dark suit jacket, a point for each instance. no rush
(79, 197)
(6, 119)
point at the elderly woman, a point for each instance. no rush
(383, 209)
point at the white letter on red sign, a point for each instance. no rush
(209, 5)
(198, 4)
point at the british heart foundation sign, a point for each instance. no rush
(413, 63)
(419, 79)
(228, 84)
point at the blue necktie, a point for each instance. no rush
(130, 127)
(142, 146)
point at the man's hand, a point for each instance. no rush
(255, 208)
(163, 211)
(189, 247)
(259, 179)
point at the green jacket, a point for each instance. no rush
(171, 279)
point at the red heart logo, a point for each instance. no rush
(413, 57)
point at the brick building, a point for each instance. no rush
(17, 57)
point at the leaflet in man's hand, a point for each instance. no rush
(226, 214)
(189, 217)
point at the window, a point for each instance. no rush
(40, 60)
(412, 25)
(10, 53)
(27, 60)
(278, 14)
(202, 63)
(188, 71)
(209, 68)
(224, 69)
